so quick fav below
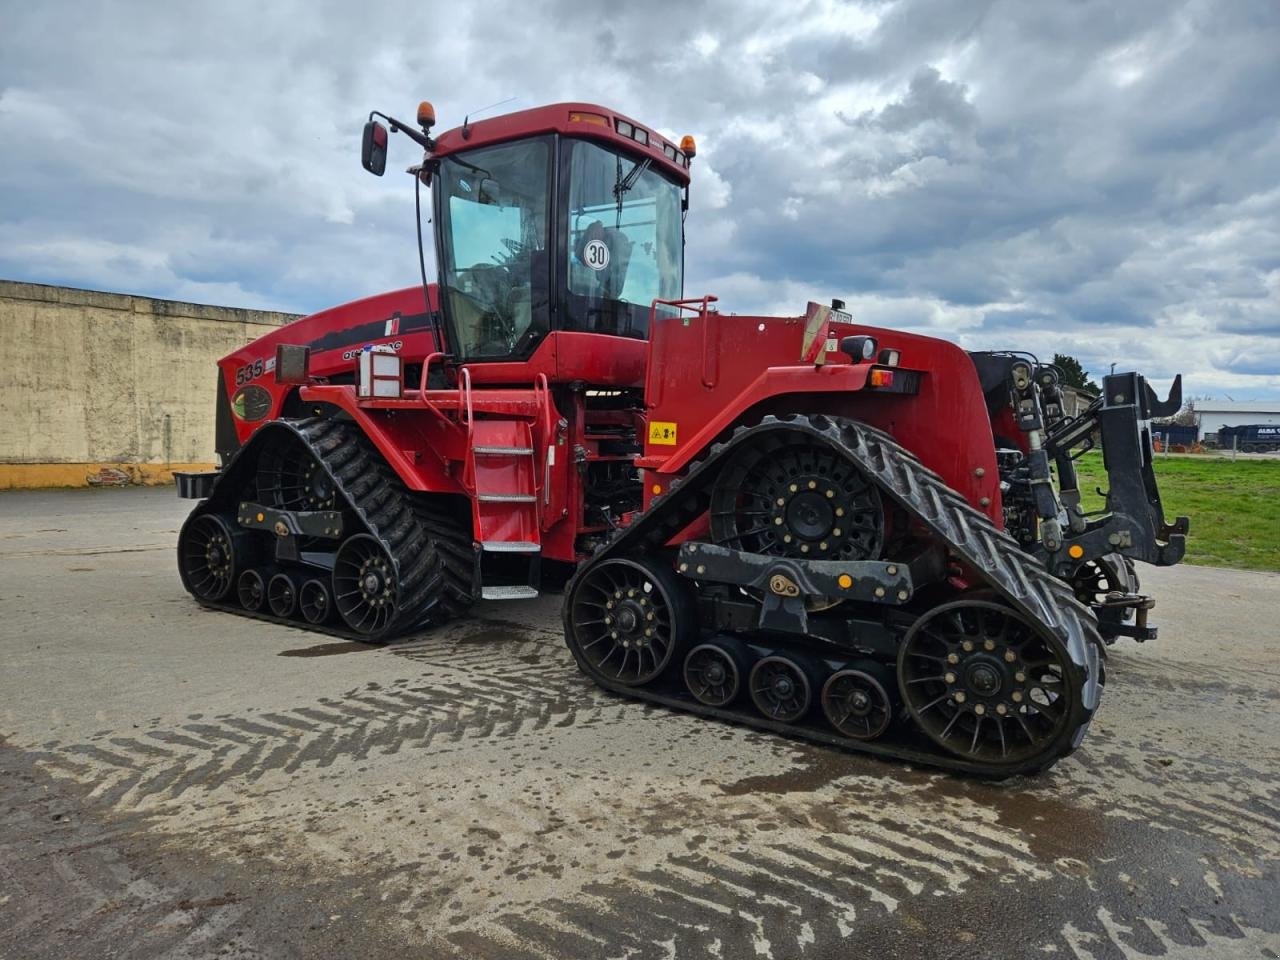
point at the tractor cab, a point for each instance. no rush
(567, 218)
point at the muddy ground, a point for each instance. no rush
(181, 783)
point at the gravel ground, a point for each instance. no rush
(181, 783)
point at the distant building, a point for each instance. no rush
(1214, 414)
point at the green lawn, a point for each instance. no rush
(1234, 507)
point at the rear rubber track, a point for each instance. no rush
(968, 534)
(430, 549)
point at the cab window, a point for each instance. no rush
(494, 208)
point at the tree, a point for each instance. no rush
(1074, 374)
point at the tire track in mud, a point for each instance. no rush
(880, 857)
(472, 690)
(986, 878)
(78, 882)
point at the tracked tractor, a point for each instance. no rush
(860, 536)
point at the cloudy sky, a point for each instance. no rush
(1098, 178)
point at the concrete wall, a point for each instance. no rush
(108, 387)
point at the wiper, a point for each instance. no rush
(626, 183)
(623, 184)
(470, 166)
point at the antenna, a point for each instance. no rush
(466, 130)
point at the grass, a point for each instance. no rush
(1234, 507)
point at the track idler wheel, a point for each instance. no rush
(207, 557)
(782, 687)
(856, 700)
(985, 684)
(628, 619)
(282, 595)
(315, 601)
(365, 585)
(713, 672)
(251, 590)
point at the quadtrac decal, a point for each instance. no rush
(354, 353)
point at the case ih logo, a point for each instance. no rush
(352, 354)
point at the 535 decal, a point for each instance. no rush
(251, 371)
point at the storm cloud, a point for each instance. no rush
(1092, 178)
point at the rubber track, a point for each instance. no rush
(968, 533)
(429, 549)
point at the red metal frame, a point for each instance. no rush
(704, 371)
(701, 374)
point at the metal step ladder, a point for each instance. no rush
(502, 469)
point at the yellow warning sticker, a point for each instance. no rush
(662, 433)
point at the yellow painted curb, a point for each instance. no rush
(36, 476)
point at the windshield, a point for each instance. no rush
(494, 215)
(624, 241)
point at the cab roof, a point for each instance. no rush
(587, 120)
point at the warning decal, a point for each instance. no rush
(662, 433)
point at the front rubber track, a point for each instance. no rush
(991, 554)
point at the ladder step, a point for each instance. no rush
(515, 592)
(511, 546)
(507, 498)
(502, 451)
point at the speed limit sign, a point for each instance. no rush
(596, 255)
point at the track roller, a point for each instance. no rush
(207, 557)
(252, 590)
(282, 595)
(365, 584)
(782, 687)
(856, 700)
(629, 618)
(713, 672)
(315, 600)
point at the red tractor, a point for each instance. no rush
(856, 535)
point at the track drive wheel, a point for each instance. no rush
(629, 618)
(207, 557)
(291, 478)
(987, 685)
(365, 585)
(797, 498)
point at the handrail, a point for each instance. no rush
(686, 304)
(710, 365)
(541, 388)
(465, 412)
(426, 366)
(422, 389)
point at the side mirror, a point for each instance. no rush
(373, 149)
